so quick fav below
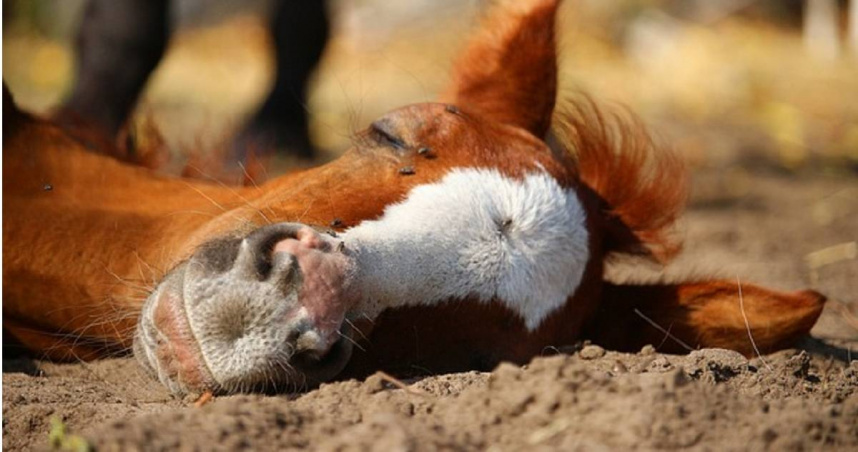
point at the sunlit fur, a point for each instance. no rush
(475, 233)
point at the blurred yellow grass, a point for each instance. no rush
(38, 70)
(719, 91)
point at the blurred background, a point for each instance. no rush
(765, 83)
(759, 96)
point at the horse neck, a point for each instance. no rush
(86, 231)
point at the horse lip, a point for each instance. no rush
(327, 365)
(164, 332)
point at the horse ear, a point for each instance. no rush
(712, 314)
(508, 72)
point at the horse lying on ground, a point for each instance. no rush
(461, 239)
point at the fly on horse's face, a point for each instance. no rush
(462, 240)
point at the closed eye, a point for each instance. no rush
(380, 132)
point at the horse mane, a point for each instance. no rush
(641, 187)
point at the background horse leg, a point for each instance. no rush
(300, 32)
(118, 46)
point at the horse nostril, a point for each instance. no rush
(284, 270)
(250, 263)
(256, 260)
(218, 256)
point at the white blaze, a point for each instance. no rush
(475, 233)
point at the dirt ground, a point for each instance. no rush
(586, 398)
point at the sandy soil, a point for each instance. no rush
(764, 228)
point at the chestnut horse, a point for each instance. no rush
(461, 239)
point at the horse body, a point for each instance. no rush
(464, 240)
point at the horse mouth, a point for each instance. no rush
(265, 312)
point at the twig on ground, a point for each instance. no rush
(205, 398)
(401, 384)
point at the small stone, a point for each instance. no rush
(505, 371)
(648, 349)
(373, 384)
(769, 436)
(660, 364)
(406, 408)
(677, 379)
(591, 352)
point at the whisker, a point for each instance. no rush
(248, 176)
(748, 324)
(234, 192)
(207, 197)
(349, 322)
(346, 337)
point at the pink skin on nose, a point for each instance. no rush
(324, 271)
